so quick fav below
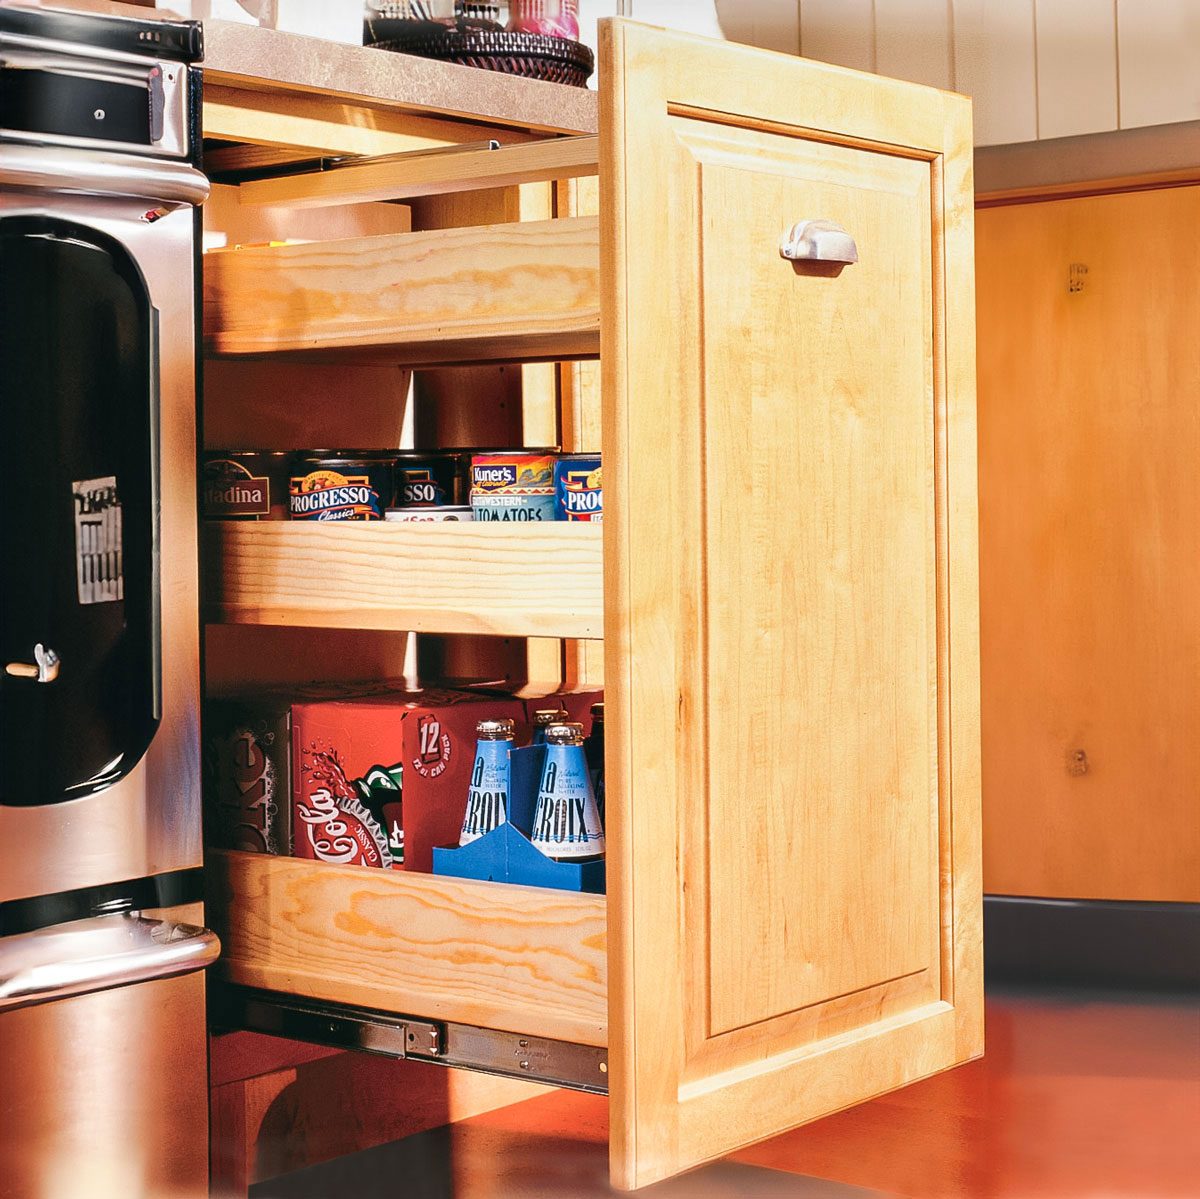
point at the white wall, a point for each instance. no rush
(1036, 68)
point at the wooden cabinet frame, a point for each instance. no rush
(790, 609)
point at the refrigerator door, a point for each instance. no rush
(80, 688)
(106, 1095)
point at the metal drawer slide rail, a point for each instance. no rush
(487, 1050)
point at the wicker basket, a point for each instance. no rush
(532, 55)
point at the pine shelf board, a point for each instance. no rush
(543, 580)
(522, 291)
(404, 177)
(517, 959)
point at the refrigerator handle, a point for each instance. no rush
(96, 954)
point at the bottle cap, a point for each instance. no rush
(495, 730)
(544, 717)
(598, 711)
(567, 733)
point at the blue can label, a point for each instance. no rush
(527, 506)
(578, 488)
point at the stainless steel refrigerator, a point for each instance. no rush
(103, 1057)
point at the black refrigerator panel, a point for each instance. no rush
(80, 682)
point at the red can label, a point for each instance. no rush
(329, 821)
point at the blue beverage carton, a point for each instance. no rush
(506, 854)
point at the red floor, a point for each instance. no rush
(1076, 1097)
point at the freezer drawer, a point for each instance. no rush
(106, 1095)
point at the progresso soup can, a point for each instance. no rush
(429, 479)
(341, 484)
(245, 484)
(513, 485)
(577, 488)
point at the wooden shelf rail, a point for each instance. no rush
(518, 959)
(523, 291)
(405, 176)
(542, 580)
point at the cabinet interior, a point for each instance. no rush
(489, 337)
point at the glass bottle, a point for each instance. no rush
(543, 718)
(566, 821)
(487, 796)
(594, 750)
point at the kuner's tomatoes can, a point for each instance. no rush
(342, 485)
(513, 485)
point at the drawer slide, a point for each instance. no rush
(512, 1055)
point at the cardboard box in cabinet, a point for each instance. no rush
(347, 773)
(426, 741)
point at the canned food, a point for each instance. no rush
(342, 484)
(245, 484)
(513, 485)
(577, 488)
(431, 480)
(452, 513)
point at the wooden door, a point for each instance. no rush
(791, 616)
(1089, 369)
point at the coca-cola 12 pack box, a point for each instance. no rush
(371, 775)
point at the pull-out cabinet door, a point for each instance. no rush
(791, 594)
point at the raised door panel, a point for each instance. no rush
(790, 556)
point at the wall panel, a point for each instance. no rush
(839, 31)
(1158, 43)
(771, 24)
(913, 41)
(1076, 66)
(995, 62)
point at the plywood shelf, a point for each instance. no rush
(524, 291)
(518, 959)
(499, 579)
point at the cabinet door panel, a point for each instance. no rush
(790, 556)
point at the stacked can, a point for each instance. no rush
(514, 485)
(578, 490)
(342, 484)
(245, 484)
(431, 486)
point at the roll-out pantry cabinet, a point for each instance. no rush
(785, 583)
